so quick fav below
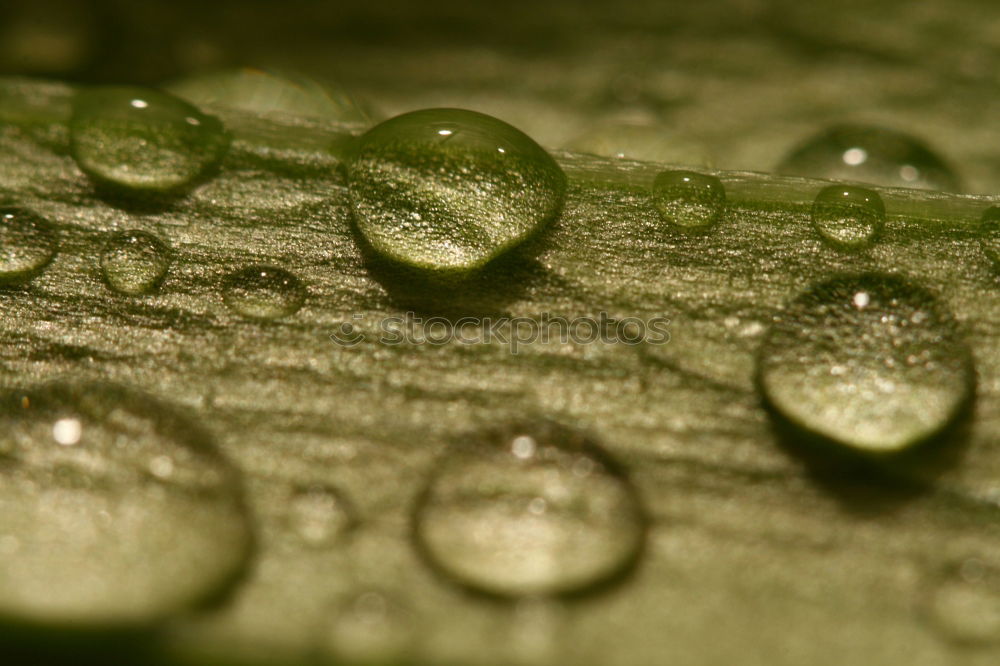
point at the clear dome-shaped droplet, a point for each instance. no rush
(870, 155)
(134, 262)
(143, 140)
(963, 603)
(116, 510)
(449, 190)
(266, 91)
(27, 244)
(871, 363)
(989, 238)
(847, 217)
(263, 292)
(689, 200)
(526, 511)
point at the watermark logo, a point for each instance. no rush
(512, 332)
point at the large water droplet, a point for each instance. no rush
(869, 362)
(263, 292)
(870, 155)
(964, 603)
(447, 189)
(526, 511)
(27, 245)
(265, 91)
(990, 234)
(689, 200)
(143, 140)
(134, 262)
(848, 218)
(114, 509)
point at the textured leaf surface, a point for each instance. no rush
(752, 556)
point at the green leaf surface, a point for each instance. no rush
(756, 552)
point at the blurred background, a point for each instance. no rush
(734, 84)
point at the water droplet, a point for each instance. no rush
(641, 141)
(116, 509)
(509, 519)
(266, 91)
(964, 603)
(143, 140)
(869, 362)
(134, 262)
(990, 234)
(870, 155)
(689, 200)
(848, 218)
(372, 627)
(320, 515)
(27, 245)
(263, 292)
(536, 633)
(447, 189)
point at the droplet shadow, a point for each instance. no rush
(869, 485)
(481, 292)
(147, 202)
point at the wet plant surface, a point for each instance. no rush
(806, 472)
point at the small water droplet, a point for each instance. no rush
(847, 217)
(134, 262)
(472, 200)
(964, 603)
(508, 520)
(263, 292)
(27, 244)
(320, 515)
(873, 155)
(143, 140)
(536, 632)
(371, 627)
(689, 200)
(118, 510)
(266, 91)
(990, 234)
(869, 362)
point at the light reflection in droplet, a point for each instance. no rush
(855, 156)
(67, 432)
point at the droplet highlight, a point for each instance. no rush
(28, 243)
(134, 262)
(263, 292)
(141, 140)
(449, 190)
(116, 510)
(689, 200)
(529, 511)
(848, 218)
(870, 363)
(868, 154)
